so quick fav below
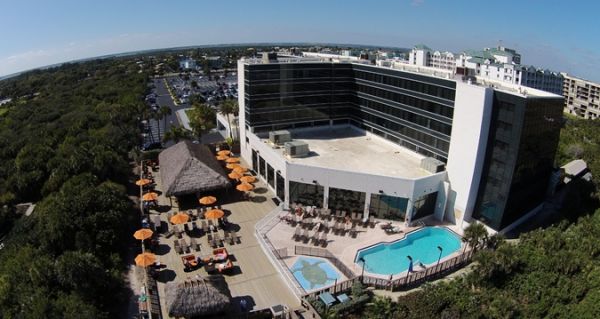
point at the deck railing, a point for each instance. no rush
(276, 255)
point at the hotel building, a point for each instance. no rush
(582, 97)
(396, 144)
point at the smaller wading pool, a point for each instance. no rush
(313, 273)
(421, 245)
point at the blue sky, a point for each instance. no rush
(560, 35)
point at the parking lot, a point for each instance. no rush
(211, 92)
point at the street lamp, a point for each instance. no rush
(362, 260)
(440, 257)
(409, 267)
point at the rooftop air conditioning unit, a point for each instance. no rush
(279, 137)
(296, 149)
(432, 165)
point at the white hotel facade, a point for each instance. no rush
(397, 144)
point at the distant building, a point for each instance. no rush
(187, 64)
(582, 97)
(422, 55)
(497, 64)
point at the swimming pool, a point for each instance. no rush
(313, 273)
(421, 246)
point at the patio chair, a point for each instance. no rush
(227, 237)
(218, 239)
(344, 213)
(177, 247)
(177, 231)
(169, 215)
(184, 245)
(236, 237)
(195, 245)
(186, 228)
(372, 221)
(211, 223)
(204, 227)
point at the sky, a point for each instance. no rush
(558, 35)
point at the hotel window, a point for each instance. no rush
(388, 207)
(424, 206)
(347, 200)
(306, 194)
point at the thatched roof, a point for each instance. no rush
(188, 168)
(197, 297)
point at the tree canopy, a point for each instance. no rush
(64, 144)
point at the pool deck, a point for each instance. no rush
(346, 247)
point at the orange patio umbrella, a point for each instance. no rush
(233, 160)
(232, 165)
(143, 233)
(235, 175)
(208, 200)
(145, 259)
(180, 218)
(240, 169)
(222, 157)
(143, 182)
(248, 179)
(150, 196)
(244, 187)
(214, 214)
(224, 152)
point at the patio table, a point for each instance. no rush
(327, 298)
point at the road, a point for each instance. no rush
(163, 98)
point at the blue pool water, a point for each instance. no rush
(313, 273)
(421, 245)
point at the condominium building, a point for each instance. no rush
(582, 97)
(396, 144)
(497, 64)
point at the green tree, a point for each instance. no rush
(176, 133)
(475, 235)
(202, 119)
(165, 111)
(229, 107)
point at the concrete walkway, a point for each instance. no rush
(254, 278)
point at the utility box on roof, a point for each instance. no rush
(296, 149)
(279, 137)
(432, 165)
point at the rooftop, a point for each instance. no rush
(349, 149)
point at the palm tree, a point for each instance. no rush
(202, 119)
(227, 108)
(176, 133)
(474, 235)
(164, 112)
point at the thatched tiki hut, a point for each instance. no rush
(187, 168)
(201, 297)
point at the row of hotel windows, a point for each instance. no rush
(294, 85)
(335, 70)
(381, 205)
(430, 89)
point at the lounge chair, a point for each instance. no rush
(323, 240)
(204, 227)
(372, 221)
(169, 215)
(297, 233)
(315, 238)
(353, 231)
(305, 236)
(196, 245)
(186, 228)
